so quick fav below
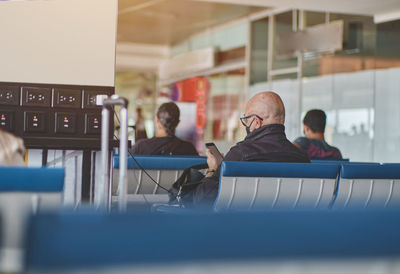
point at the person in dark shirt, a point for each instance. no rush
(314, 141)
(263, 119)
(165, 142)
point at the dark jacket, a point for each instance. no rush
(170, 145)
(265, 144)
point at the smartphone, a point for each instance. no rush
(214, 151)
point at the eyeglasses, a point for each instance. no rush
(244, 118)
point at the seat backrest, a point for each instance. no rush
(99, 241)
(31, 179)
(165, 170)
(368, 185)
(346, 162)
(24, 190)
(266, 185)
(317, 160)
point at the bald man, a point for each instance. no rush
(264, 120)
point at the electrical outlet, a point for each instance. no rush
(92, 123)
(70, 98)
(7, 120)
(34, 96)
(90, 98)
(35, 121)
(65, 122)
(9, 95)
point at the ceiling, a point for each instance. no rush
(366, 7)
(166, 22)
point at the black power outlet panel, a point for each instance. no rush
(51, 116)
(36, 96)
(9, 95)
(67, 98)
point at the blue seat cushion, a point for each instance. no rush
(281, 170)
(370, 171)
(29, 179)
(162, 162)
(96, 240)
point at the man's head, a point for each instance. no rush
(12, 150)
(167, 118)
(264, 108)
(314, 122)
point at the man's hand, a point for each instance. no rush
(211, 162)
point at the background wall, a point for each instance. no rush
(58, 42)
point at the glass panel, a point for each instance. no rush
(283, 24)
(232, 37)
(359, 39)
(387, 116)
(388, 45)
(259, 51)
(224, 109)
(318, 94)
(288, 88)
(348, 100)
(358, 34)
(354, 103)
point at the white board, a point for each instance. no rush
(68, 42)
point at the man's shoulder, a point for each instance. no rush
(333, 148)
(185, 147)
(141, 145)
(184, 142)
(235, 152)
(302, 141)
(142, 142)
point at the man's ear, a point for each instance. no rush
(157, 121)
(306, 129)
(260, 122)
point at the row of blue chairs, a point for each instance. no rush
(259, 185)
(203, 243)
(24, 191)
(266, 185)
(86, 240)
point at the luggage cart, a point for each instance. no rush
(103, 193)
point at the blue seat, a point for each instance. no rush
(164, 169)
(24, 190)
(161, 162)
(94, 240)
(341, 162)
(368, 185)
(266, 185)
(24, 179)
(317, 160)
(392, 164)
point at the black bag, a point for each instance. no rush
(182, 190)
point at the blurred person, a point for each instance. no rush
(12, 150)
(140, 129)
(165, 142)
(314, 141)
(266, 141)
